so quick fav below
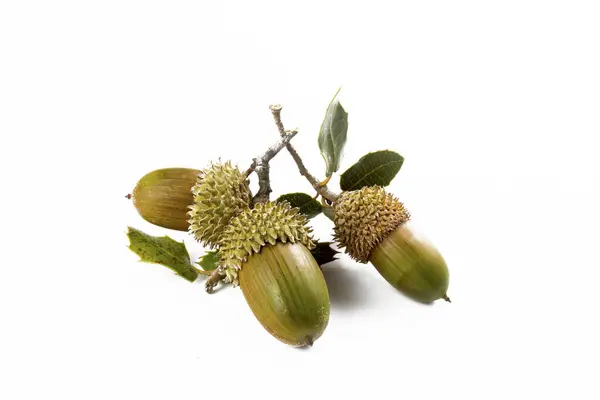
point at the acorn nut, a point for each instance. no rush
(266, 251)
(371, 225)
(162, 197)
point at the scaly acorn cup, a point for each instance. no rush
(162, 197)
(370, 224)
(266, 250)
(221, 192)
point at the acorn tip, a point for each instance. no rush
(309, 341)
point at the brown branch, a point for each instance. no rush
(213, 280)
(316, 184)
(264, 183)
(260, 165)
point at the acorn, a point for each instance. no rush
(221, 192)
(371, 225)
(162, 197)
(267, 251)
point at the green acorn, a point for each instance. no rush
(266, 251)
(370, 224)
(221, 192)
(162, 197)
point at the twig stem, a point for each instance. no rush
(212, 281)
(316, 184)
(260, 165)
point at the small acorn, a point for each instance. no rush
(221, 192)
(266, 251)
(370, 224)
(162, 197)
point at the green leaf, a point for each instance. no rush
(377, 168)
(210, 260)
(308, 206)
(332, 137)
(162, 250)
(324, 253)
(328, 211)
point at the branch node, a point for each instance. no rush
(260, 165)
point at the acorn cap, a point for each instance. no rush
(221, 192)
(364, 217)
(252, 229)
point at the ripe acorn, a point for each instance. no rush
(370, 224)
(162, 197)
(266, 251)
(221, 192)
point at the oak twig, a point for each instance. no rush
(260, 165)
(215, 277)
(320, 187)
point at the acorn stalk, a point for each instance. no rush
(162, 197)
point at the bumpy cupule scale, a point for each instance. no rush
(221, 192)
(162, 197)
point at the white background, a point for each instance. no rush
(495, 106)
